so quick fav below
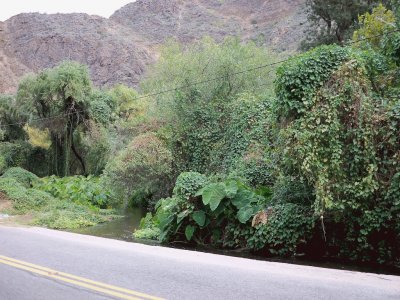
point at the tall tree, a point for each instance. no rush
(332, 21)
(63, 100)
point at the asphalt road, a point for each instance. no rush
(162, 272)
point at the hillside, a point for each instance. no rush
(119, 49)
(275, 23)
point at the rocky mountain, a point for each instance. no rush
(119, 49)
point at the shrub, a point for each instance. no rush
(23, 177)
(146, 164)
(299, 79)
(24, 199)
(278, 230)
(148, 229)
(288, 226)
(289, 189)
(200, 209)
(339, 134)
(50, 211)
(214, 125)
(189, 183)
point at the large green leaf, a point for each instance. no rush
(231, 188)
(164, 234)
(199, 217)
(243, 198)
(245, 213)
(189, 231)
(213, 195)
(199, 192)
(182, 215)
(220, 209)
(164, 219)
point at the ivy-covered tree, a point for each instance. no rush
(62, 100)
(340, 134)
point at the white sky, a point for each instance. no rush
(103, 8)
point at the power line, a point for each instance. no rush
(251, 69)
(211, 79)
(207, 81)
(42, 119)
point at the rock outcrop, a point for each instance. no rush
(119, 49)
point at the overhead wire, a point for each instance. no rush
(249, 70)
(42, 119)
(208, 80)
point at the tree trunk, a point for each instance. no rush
(76, 153)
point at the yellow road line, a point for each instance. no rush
(80, 281)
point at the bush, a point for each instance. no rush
(189, 183)
(146, 164)
(289, 189)
(339, 134)
(214, 125)
(299, 79)
(288, 226)
(24, 199)
(148, 229)
(50, 211)
(200, 209)
(23, 177)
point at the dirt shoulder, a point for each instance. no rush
(5, 207)
(5, 203)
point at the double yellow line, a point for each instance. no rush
(96, 286)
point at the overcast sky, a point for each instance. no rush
(103, 8)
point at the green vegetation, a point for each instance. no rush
(326, 153)
(66, 203)
(77, 189)
(334, 21)
(239, 153)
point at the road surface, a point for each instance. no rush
(37, 263)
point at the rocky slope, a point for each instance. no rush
(276, 23)
(119, 49)
(35, 41)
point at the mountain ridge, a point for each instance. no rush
(120, 49)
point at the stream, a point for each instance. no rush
(119, 228)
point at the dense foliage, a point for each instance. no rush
(326, 145)
(340, 134)
(143, 167)
(53, 202)
(332, 21)
(215, 125)
(223, 147)
(77, 189)
(200, 208)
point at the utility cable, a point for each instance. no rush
(210, 80)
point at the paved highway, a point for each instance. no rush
(37, 263)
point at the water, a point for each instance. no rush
(120, 228)
(123, 228)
